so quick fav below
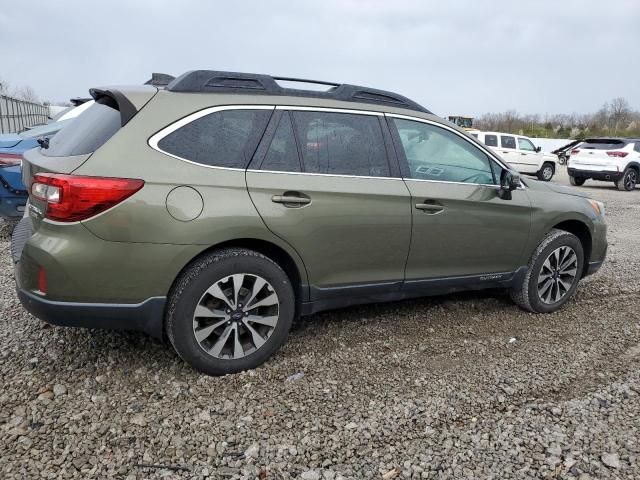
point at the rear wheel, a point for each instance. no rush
(546, 172)
(577, 181)
(553, 274)
(628, 180)
(230, 311)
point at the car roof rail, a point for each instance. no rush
(160, 79)
(211, 81)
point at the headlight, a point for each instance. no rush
(597, 206)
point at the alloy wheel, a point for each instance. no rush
(236, 316)
(630, 180)
(557, 275)
(547, 173)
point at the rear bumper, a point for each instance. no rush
(146, 316)
(605, 175)
(12, 206)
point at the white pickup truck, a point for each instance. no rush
(520, 153)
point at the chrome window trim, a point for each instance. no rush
(156, 137)
(483, 148)
(329, 110)
(253, 170)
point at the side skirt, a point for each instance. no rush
(348, 295)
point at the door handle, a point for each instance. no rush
(289, 199)
(430, 208)
(523, 154)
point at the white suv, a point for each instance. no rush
(607, 159)
(520, 153)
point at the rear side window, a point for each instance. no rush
(637, 147)
(508, 142)
(491, 140)
(88, 132)
(341, 144)
(282, 155)
(221, 139)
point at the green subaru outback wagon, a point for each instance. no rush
(218, 209)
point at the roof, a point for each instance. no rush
(212, 81)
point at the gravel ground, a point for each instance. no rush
(433, 388)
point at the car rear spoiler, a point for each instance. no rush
(129, 100)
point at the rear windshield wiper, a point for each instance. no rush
(43, 142)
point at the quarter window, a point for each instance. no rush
(508, 142)
(491, 140)
(222, 139)
(434, 153)
(637, 147)
(341, 143)
(282, 155)
(526, 145)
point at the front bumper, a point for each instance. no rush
(605, 175)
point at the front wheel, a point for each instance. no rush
(230, 311)
(553, 273)
(628, 181)
(546, 172)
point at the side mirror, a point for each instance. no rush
(509, 181)
(538, 149)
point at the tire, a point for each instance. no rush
(546, 172)
(628, 181)
(577, 181)
(530, 294)
(204, 286)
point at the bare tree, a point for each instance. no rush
(4, 86)
(27, 93)
(620, 113)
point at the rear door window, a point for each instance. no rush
(508, 142)
(226, 138)
(341, 143)
(491, 140)
(282, 155)
(87, 132)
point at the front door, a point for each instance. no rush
(528, 155)
(324, 185)
(460, 225)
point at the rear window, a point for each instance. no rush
(87, 132)
(603, 144)
(221, 139)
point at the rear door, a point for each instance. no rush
(322, 181)
(461, 227)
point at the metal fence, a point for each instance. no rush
(16, 114)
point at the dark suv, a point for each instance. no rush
(217, 209)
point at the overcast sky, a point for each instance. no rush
(469, 57)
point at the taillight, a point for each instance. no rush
(71, 198)
(575, 151)
(617, 153)
(10, 159)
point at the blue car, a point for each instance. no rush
(13, 193)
